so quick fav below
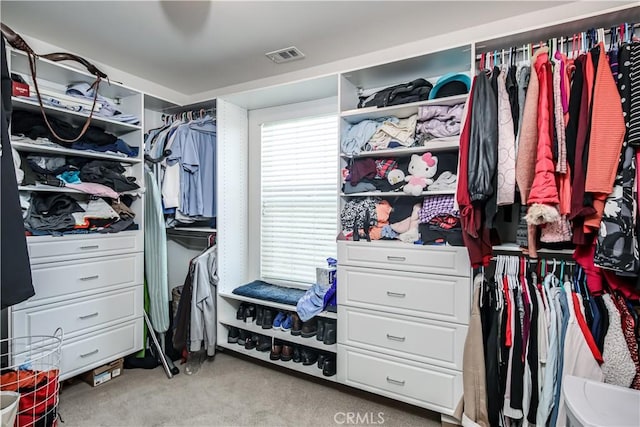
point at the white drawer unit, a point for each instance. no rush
(85, 353)
(447, 260)
(81, 315)
(422, 385)
(428, 341)
(45, 249)
(76, 278)
(424, 295)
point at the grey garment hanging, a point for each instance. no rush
(15, 271)
(155, 254)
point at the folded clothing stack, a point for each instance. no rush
(32, 126)
(97, 177)
(85, 91)
(62, 214)
(440, 221)
(438, 121)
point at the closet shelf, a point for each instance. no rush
(59, 72)
(285, 336)
(264, 356)
(38, 148)
(441, 144)
(396, 193)
(78, 119)
(512, 247)
(52, 189)
(284, 307)
(400, 111)
(195, 229)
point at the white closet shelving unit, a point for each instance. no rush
(403, 308)
(90, 285)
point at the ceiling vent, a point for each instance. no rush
(285, 55)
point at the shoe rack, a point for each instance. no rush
(276, 335)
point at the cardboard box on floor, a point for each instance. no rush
(104, 373)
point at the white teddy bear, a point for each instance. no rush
(421, 171)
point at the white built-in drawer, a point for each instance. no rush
(431, 387)
(427, 341)
(83, 354)
(43, 249)
(448, 260)
(417, 294)
(80, 315)
(74, 279)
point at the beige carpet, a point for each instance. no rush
(230, 391)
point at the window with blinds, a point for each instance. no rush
(299, 185)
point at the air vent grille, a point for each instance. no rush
(285, 55)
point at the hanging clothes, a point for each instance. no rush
(506, 144)
(617, 245)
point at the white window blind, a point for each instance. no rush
(299, 184)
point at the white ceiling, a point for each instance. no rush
(194, 47)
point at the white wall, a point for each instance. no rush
(497, 29)
(256, 119)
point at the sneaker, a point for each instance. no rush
(277, 322)
(233, 336)
(287, 323)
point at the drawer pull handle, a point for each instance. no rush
(84, 279)
(396, 382)
(396, 294)
(85, 248)
(394, 338)
(91, 353)
(396, 258)
(88, 316)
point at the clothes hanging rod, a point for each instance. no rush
(523, 47)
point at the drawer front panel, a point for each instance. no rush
(49, 249)
(447, 260)
(84, 354)
(81, 315)
(419, 384)
(432, 342)
(436, 297)
(54, 282)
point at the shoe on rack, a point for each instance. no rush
(309, 356)
(251, 342)
(250, 313)
(259, 315)
(240, 312)
(287, 323)
(296, 324)
(264, 343)
(320, 334)
(297, 354)
(234, 333)
(321, 358)
(267, 320)
(276, 350)
(330, 332)
(243, 337)
(329, 367)
(277, 321)
(309, 328)
(287, 352)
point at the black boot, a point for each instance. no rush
(267, 319)
(234, 333)
(264, 343)
(320, 323)
(330, 332)
(259, 315)
(329, 366)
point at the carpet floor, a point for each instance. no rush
(229, 391)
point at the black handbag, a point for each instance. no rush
(417, 90)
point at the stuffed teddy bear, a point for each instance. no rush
(422, 169)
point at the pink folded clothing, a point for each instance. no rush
(443, 113)
(95, 189)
